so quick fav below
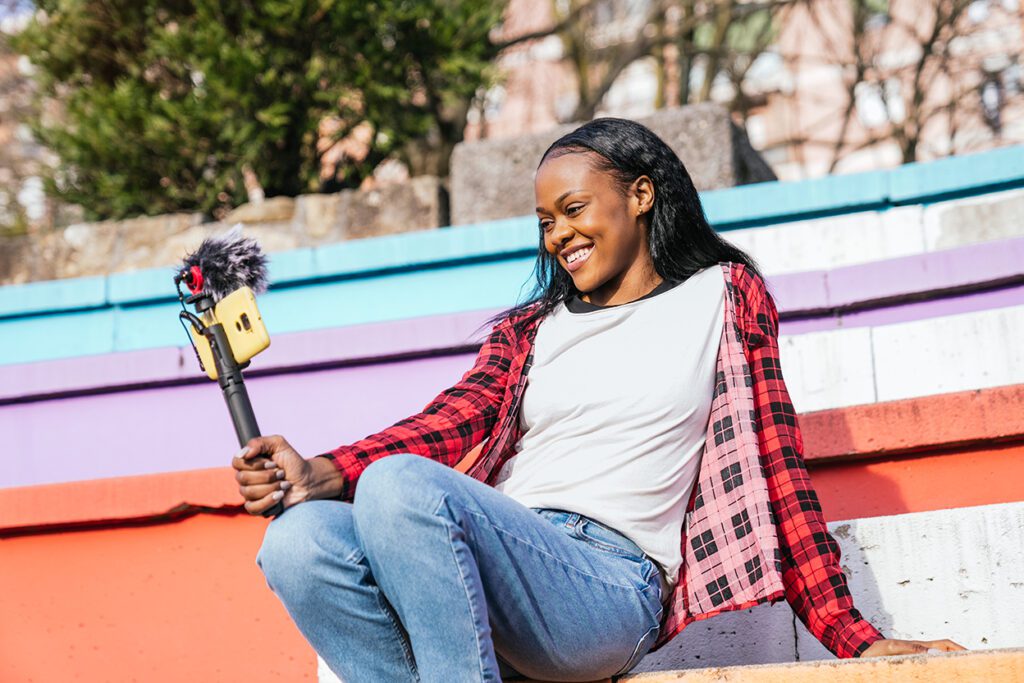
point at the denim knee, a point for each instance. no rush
(394, 488)
(395, 478)
(295, 543)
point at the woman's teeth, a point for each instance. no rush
(579, 254)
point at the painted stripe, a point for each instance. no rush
(921, 358)
(383, 342)
(143, 430)
(956, 420)
(842, 297)
(299, 351)
(728, 209)
(945, 426)
(187, 427)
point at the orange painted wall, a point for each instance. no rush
(172, 602)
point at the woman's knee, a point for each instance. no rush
(397, 479)
(304, 536)
(395, 490)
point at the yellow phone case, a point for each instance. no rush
(243, 325)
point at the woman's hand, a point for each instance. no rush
(885, 648)
(270, 470)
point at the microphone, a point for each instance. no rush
(223, 276)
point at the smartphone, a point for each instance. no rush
(243, 325)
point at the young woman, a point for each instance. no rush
(636, 464)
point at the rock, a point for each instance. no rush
(320, 218)
(416, 204)
(16, 259)
(493, 179)
(273, 210)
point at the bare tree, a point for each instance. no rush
(929, 67)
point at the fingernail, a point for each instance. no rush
(242, 453)
(279, 474)
(285, 485)
(269, 465)
(933, 651)
(278, 495)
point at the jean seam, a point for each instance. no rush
(557, 559)
(465, 588)
(356, 557)
(633, 660)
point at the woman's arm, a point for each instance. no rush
(451, 424)
(814, 582)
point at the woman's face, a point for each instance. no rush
(595, 231)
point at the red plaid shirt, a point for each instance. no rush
(754, 530)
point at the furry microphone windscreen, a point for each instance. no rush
(228, 262)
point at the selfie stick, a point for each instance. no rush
(218, 267)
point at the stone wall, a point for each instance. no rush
(493, 179)
(279, 223)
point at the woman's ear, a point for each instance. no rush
(642, 195)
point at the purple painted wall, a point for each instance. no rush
(167, 430)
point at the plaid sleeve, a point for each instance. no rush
(814, 582)
(451, 424)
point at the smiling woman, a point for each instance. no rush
(640, 465)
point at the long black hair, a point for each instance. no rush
(680, 238)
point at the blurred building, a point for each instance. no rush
(840, 86)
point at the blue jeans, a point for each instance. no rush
(431, 575)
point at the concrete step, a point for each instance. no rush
(987, 666)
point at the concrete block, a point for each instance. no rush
(77, 250)
(153, 241)
(273, 210)
(416, 204)
(930, 575)
(492, 179)
(991, 666)
(833, 242)
(828, 369)
(976, 219)
(763, 634)
(951, 353)
(16, 259)
(320, 217)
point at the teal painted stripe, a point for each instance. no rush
(43, 297)
(467, 242)
(759, 204)
(960, 175)
(781, 201)
(72, 334)
(396, 296)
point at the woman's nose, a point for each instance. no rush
(562, 233)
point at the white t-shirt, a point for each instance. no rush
(616, 409)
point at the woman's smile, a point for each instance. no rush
(576, 257)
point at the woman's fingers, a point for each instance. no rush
(260, 491)
(258, 507)
(261, 476)
(944, 645)
(910, 647)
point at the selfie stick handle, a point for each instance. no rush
(232, 385)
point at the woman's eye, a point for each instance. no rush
(573, 209)
(545, 225)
